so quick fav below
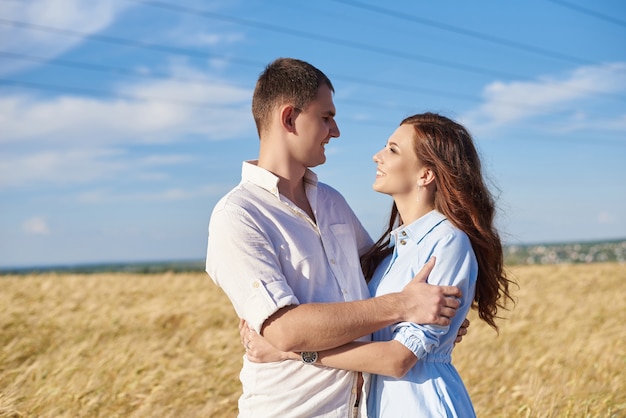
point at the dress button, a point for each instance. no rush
(404, 233)
(332, 261)
(403, 242)
(256, 284)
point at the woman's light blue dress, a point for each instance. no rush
(433, 387)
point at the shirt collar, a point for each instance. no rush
(418, 229)
(251, 172)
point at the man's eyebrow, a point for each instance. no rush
(329, 113)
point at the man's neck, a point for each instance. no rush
(290, 180)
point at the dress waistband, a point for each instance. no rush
(437, 358)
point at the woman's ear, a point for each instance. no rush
(427, 176)
(288, 115)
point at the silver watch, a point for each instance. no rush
(308, 357)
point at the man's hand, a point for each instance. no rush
(462, 331)
(428, 304)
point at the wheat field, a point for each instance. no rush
(167, 345)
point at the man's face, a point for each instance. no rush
(314, 126)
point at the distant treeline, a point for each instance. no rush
(582, 252)
(135, 268)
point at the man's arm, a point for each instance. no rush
(240, 250)
(392, 357)
(321, 326)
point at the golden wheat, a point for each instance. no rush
(167, 345)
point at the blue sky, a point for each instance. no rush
(122, 122)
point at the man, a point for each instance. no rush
(286, 249)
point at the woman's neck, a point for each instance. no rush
(411, 210)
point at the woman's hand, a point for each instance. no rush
(258, 349)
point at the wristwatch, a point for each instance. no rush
(308, 357)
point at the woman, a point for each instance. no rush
(441, 209)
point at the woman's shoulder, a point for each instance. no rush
(449, 234)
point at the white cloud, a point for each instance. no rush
(605, 217)
(36, 226)
(508, 103)
(79, 166)
(215, 39)
(582, 120)
(73, 139)
(86, 16)
(161, 160)
(165, 111)
(73, 166)
(190, 30)
(173, 194)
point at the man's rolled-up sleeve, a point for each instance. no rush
(242, 260)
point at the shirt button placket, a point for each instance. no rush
(403, 241)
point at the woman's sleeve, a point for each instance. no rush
(455, 266)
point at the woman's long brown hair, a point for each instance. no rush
(447, 148)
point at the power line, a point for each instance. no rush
(466, 32)
(121, 41)
(160, 48)
(361, 46)
(103, 93)
(100, 68)
(589, 12)
(95, 92)
(163, 75)
(200, 81)
(190, 52)
(204, 13)
(113, 95)
(328, 39)
(405, 88)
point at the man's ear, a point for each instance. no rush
(288, 115)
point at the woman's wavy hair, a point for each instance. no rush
(447, 148)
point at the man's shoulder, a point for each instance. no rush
(329, 192)
(240, 196)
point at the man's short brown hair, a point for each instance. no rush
(285, 81)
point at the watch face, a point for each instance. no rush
(309, 357)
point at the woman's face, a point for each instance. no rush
(397, 165)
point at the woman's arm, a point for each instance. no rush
(389, 358)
